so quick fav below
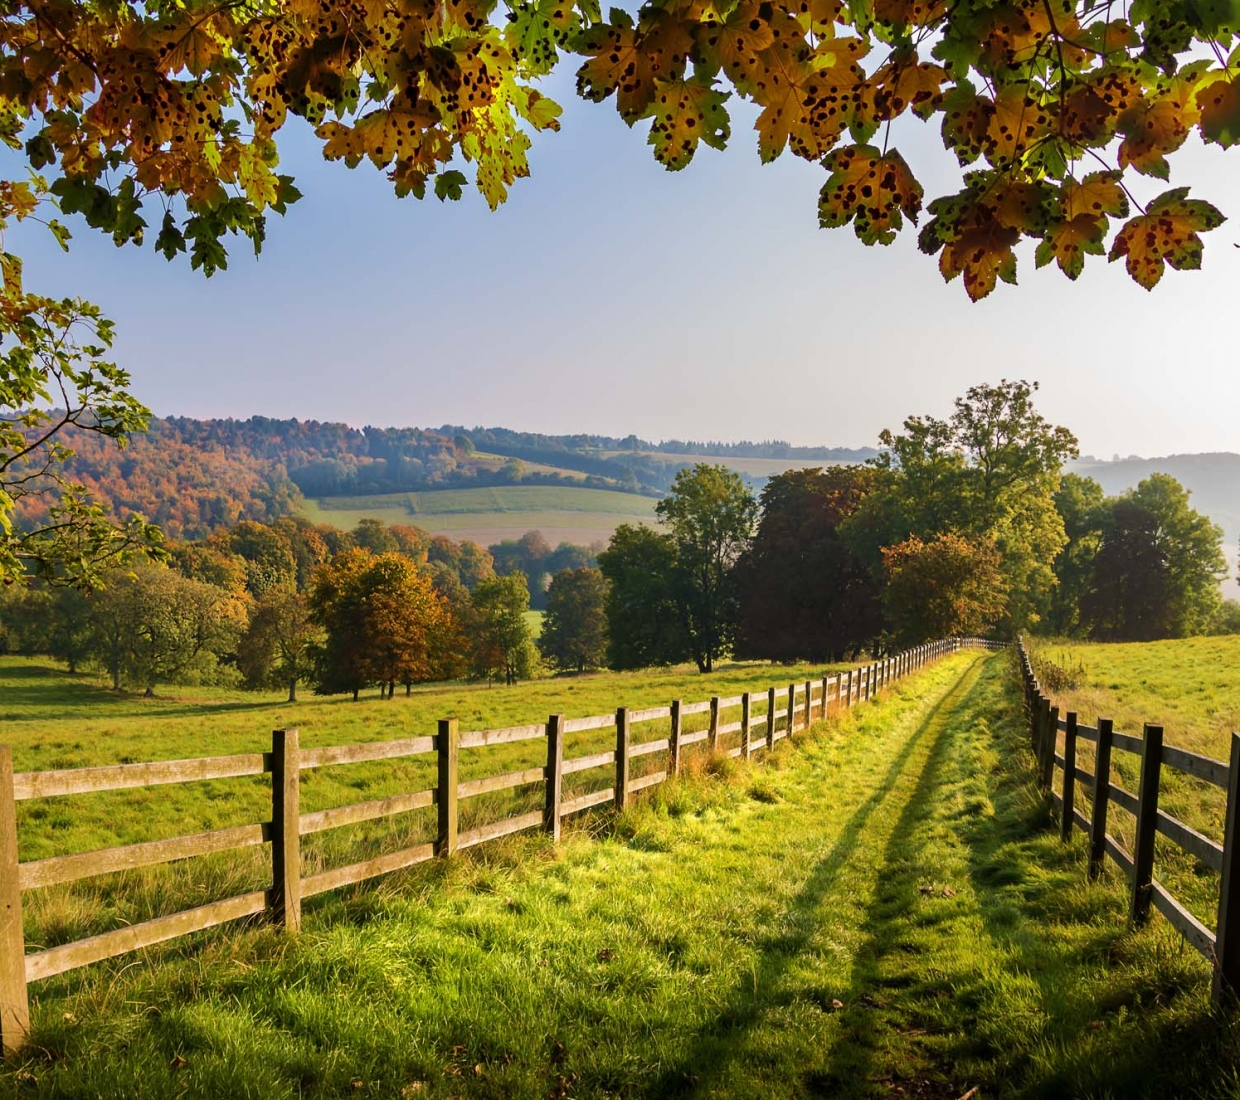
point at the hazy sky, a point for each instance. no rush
(611, 296)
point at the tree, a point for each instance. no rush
(1157, 571)
(644, 625)
(710, 514)
(803, 593)
(1080, 503)
(946, 586)
(574, 631)
(990, 472)
(280, 644)
(501, 646)
(151, 625)
(381, 616)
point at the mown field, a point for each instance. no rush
(880, 910)
(564, 513)
(1190, 687)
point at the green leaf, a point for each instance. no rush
(449, 185)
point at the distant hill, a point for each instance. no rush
(1213, 479)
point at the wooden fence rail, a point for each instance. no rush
(787, 711)
(1220, 947)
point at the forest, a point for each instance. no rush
(961, 526)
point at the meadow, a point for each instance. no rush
(564, 513)
(880, 909)
(1190, 688)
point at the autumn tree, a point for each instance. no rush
(644, 624)
(280, 643)
(803, 592)
(380, 614)
(500, 645)
(948, 585)
(574, 629)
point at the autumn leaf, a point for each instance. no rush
(1067, 242)
(907, 82)
(537, 29)
(1097, 194)
(1158, 124)
(1219, 100)
(686, 112)
(736, 44)
(873, 190)
(627, 61)
(966, 122)
(1167, 233)
(1016, 122)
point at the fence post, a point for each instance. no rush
(674, 740)
(826, 680)
(713, 739)
(1147, 824)
(850, 688)
(1069, 778)
(745, 724)
(449, 770)
(285, 903)
(1227, 938)
(1048, 759)
(792, 709)
(555, 774)
(622, 758)
(14, 1001)
(1102, 799)
(770, 717)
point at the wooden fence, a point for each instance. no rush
(286, 762)
(1220, 947)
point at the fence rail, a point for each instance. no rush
(1220, 947)
(790, 709)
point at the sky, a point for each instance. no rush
(611, 296)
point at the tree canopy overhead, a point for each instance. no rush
(1050, 106)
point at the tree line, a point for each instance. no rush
(960, 526)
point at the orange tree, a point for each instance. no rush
(161, 120)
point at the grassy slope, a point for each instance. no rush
(505, 511)
(880, 911)
(1190, 688)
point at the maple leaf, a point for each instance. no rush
(808, 98)
(1067, 242)
(1218, 97)
(628, 61)
(537, 29)
(1166, 234)
(1158, 124)
(906, 82)
(1097, 194)
(966, 122)
(871, 189)
(736, 44)
(1017, 121)
(909, 13)
(972, 238)
(686, 112)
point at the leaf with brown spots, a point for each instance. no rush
(871, 189)
(736, 44)
(906, 82)
(686, 112)
(1067, 242)
(1018, 120)
(628, 60)
(1166, 234)
(1218, 97)
(1158, 124)
(1097, 194)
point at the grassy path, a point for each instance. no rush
(880, 910)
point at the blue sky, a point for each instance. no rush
(609, 295)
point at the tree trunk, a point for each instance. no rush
(292, 691)
(409, 688)
(710, 662)
(355, 695)
(391, 689)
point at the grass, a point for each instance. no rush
(534, 620)
(755, 467)
(881, 910)
(1190, 688)
(562, 512)
(53, 720)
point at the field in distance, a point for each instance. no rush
(754, 467)
(562, 513)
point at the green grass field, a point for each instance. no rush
(881, 910)
(1190, 688)
(755, 467)
(563, 513)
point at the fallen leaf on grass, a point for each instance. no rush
(177, 1063)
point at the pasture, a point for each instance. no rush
(878, 910)
(754, 467)
(563, 513)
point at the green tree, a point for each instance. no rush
(1080, 503)
(803, 593)
(644, 625)
(949, 585)
(501, 647)
(280, 644)
(574, 631)
(710, 515)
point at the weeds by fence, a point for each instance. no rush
(786, 710)
(1220, 947)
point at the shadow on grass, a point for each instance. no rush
(716, 1046)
